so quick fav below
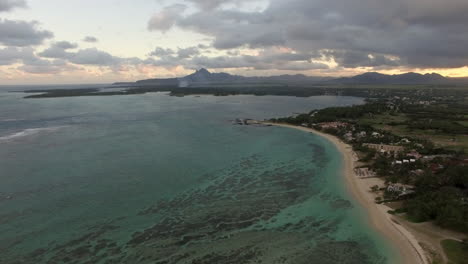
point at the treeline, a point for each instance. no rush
(441, 197)
(444, 126)
(441, 118)
(347, 113)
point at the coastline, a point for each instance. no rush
(401, 239)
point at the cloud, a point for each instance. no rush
(30, 63)
(180, 54)
(266, 60)
(165, 19)
(354, 59)
(8, 5)
(212, 4)
(93, 56)
(58, 50)
(161, 52)
(22, 33)
(187, 52)
(90, 56)
(40, 66)
(353, 33)
(11, 55)
(90, 39)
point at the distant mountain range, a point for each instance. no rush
(204, 77)
(406, 78)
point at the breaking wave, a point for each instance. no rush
(28, 132)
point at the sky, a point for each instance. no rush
(84, 41)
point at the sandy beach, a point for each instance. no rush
(401, 239)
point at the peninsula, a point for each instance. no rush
(405, 161)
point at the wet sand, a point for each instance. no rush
(401, 239)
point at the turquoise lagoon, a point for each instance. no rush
(160, 179)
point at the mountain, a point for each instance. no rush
(406, 78)
(203, 77)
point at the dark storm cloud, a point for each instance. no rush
(195, 57)
(419, 33)
(353, 59)
(22, 33)
(252, 62)
(267, 60)
(8, 5)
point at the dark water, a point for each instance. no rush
(159, 179)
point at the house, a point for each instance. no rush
(334, 125)
(362, 134)
(405, 141)
(349, 136)
(400, 189)
(414, 154)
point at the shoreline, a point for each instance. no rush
(400, 238)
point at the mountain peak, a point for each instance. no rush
(203, 71)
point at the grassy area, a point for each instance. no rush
(456, 252)
(396, 124)
(463, 123)
(383, 120)
(453, 142)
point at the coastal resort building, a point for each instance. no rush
(385, 148)
(400, 189)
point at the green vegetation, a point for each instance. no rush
(179, 91)
(456, 252)
(261, 89)
(427, 138)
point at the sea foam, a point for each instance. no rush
(28, 132)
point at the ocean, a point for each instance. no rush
(159, 179)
